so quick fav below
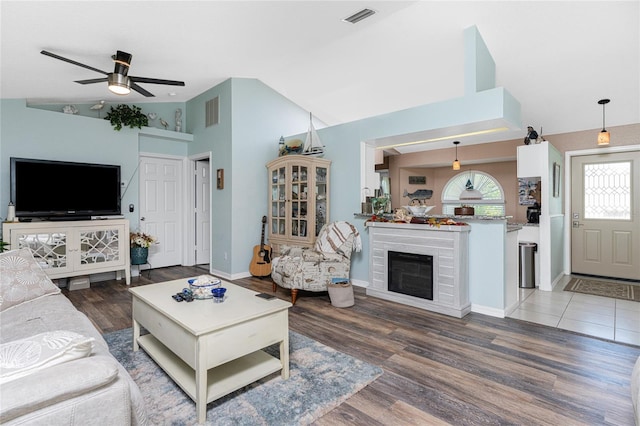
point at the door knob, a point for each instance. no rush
(142, 218)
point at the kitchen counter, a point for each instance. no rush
(459, 218)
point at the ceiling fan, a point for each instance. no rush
(119, 82)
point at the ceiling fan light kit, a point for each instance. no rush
(118, 81)
(119, 84)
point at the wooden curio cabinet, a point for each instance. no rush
(298, 200)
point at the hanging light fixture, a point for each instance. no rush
(456, 163)
(603, 136)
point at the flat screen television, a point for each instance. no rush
(63, 190)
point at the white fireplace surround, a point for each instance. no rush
(449, 246)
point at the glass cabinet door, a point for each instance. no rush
(278, 201)
(299, 191)
(321, 198)
(50, 249)
(101, 246)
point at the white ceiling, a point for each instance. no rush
(557, 58)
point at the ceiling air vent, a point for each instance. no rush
(212, 112)
(359, 16)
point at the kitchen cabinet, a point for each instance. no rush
(298, 200)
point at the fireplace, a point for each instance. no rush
(410, 274)
(420, 265)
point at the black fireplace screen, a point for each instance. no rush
(411, 274)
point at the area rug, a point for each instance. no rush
(602, 288)
(321, 378)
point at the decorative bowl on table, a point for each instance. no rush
(419, 210)
(202, 286)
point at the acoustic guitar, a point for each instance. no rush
(261, 262)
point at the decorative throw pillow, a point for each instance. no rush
(22, 279)
(19, 358)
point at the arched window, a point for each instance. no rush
(475, 189)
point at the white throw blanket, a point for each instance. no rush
(336, 233)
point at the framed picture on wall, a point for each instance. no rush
(220, 179)
(556, 180)
(417, 180)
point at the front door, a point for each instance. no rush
(160, 208)
(605, 205)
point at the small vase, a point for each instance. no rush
(139, 255)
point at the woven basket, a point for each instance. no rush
(341, 295)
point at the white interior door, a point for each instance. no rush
(605, 205)
(160, 208)
(203, 212)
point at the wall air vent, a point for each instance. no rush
(212, 112)
(359, 16)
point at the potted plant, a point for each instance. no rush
(139, 247)
(125, 115)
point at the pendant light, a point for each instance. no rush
(456, 163)
(603, 136)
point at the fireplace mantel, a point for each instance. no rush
(449, 246)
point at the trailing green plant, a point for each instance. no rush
(125, 115)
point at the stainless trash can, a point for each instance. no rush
(527, 264)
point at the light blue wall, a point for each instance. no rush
(480, 69)
(343, 149)
(163, 146)
(164, 110)
(217, 140)
(253, 117)
(260, 117)
(34, 133)
(487, 265)
(556, 216)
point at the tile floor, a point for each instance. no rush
(597, 316)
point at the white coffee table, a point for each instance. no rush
(211, 349)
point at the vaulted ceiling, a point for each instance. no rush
(557, 58)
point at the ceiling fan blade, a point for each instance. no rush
(156, 81)
(91, 81)
(53, 55)
(141, 90)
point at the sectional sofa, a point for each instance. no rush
(55, 367)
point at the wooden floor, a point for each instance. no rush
(437, 369)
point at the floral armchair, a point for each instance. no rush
(312, 269)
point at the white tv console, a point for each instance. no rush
(72, 248)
